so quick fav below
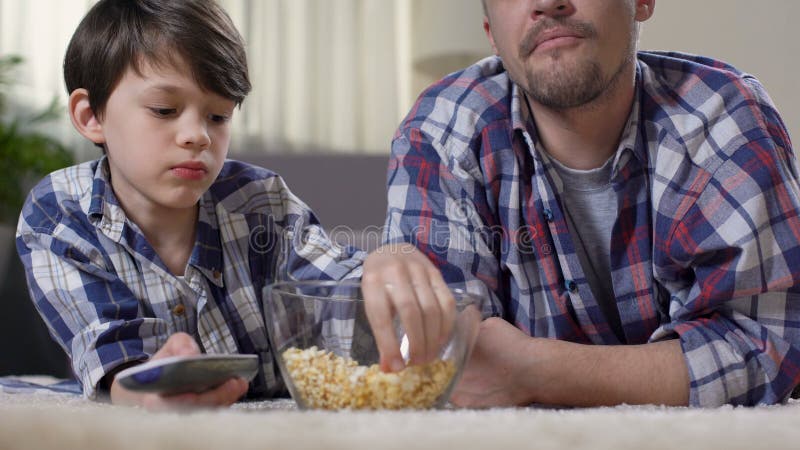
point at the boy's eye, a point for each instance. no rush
(163, 112)
(216, 118)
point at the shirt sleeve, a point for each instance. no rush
(89, 311)
(438, 206)
(738, 317)
(307, 251)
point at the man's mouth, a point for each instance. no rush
(550, 35)
(555, 38)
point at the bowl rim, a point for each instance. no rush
(463, 297)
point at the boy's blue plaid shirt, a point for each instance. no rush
(108, 299)
(706, 246)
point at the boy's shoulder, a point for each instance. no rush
(71, 196)
(245, 188)
(238, 177)
(65, 193)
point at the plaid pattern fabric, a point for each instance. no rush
(706, 246)
(39, 386)
(109, 300)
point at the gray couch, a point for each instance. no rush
(346, 191)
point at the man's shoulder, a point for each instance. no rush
(61, 195)
(463, 103)
(706, 105)
(684, 83)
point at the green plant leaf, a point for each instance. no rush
(25, 154)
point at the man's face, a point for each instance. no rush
(566, 53)
(166, 138)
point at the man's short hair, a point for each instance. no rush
(117, 34)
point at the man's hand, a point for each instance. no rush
(181, 344)
(399, 279)
(508, 367)
(491, 375)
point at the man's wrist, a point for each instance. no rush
(535, 371)
(545, 361)
(566, 373)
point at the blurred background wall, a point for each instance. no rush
(338, 75)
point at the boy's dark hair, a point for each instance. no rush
(116, 34)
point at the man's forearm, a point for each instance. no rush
(564, 373)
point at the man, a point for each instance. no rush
(633, 217)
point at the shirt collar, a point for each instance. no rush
(631, 139)
(207, 253)
(106, 214)
(105, 211)
(519, 112)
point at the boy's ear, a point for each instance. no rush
(645, 9)
(83, 118)
(487, 28)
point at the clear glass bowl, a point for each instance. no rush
(328, 357)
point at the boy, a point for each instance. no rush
(162, 247)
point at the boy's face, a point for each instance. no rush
(166, 138)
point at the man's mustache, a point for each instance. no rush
(583, 29)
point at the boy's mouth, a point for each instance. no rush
(190, 170)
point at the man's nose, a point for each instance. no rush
(552, 8)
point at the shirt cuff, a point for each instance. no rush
(728, 365)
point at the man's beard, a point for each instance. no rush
(565, 89)
(567, 86)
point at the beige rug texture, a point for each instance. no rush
(66, 422)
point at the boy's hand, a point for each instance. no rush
(399, 279)
(181, 344)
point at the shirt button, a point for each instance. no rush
(548, 215)
(571, 285)
(217, 274)
(179, 310)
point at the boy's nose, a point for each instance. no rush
(194, 134)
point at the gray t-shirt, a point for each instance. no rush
(590, 205)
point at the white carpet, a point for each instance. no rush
(66, 422)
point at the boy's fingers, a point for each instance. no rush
(178, 344)
(379, 313)
(223, 395)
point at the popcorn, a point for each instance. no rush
(327, 381)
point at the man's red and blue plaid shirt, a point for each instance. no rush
(705, 248)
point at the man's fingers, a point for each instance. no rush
(431, 315)
(379, 313)
(407, 306)
(398, 279)
(447, 305)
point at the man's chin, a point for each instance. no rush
(556, 66)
